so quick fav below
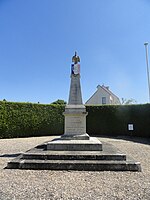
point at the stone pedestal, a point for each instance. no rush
(75, 123)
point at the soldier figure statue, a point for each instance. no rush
(75, 58)
(75, 68)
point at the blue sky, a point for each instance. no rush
(38, 39)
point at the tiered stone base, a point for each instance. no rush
(93, 144)
(87, 155)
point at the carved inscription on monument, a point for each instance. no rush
(75, 124)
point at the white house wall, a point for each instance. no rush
(97, 97)
(103, 91)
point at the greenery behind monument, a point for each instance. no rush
(27, 119)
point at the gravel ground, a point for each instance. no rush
(74, 185)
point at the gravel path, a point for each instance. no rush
(74, 185)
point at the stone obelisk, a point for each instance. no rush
(75, 112)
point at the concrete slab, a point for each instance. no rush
(93, 144)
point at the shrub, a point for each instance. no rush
(27, 119)
(114, 120)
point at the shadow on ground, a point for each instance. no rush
(127, 138)
(135, 139)
(10, 155)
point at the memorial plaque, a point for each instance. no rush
(75, 124)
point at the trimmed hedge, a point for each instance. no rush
(27, 119)
(114, 120)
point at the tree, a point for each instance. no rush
(128, 101)
(59, 102)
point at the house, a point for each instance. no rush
(103, 96)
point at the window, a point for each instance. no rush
(103, 100)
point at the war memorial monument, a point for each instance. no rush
(75, 149)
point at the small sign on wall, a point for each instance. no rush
(130, 127)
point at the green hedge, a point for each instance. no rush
(27, 119)
(114, 120)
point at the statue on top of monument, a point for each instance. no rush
(75, 58)
(75, 68)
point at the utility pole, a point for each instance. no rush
(146, 49)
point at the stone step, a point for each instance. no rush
(75, 155)
(93, 144)
(109, 159)
(80, 165)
